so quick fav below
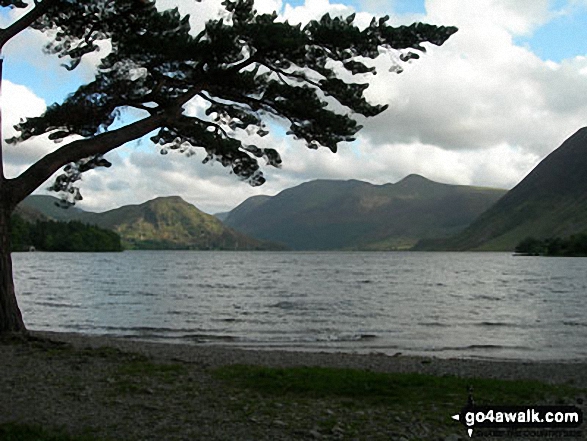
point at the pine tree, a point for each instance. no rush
(247, 67)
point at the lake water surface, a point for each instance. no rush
(482, 305)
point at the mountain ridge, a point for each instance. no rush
(352, 214)
(162, 223)
(550, 201)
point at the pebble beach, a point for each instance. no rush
(65, 381)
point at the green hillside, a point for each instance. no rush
(163, 223)
(550, 202)
(329, 214)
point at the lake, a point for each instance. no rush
(476, 305)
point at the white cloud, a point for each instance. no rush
(479, 110)
(518, 17)
(138, 176)
(268, 6)
(199, 12)
(18, 102)
(480, 90)
(314, 9)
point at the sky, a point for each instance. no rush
(483, 109)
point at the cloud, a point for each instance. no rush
(138, 176)
(313, 9)
(480, 110)
(27, 63)
(480, 90)
(518, 17)
(199, 12)
(18, 102)
(268, 6)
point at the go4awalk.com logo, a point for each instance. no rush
(516, 418)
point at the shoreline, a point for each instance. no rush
(103, 388)
(572, 372)
(489, 353)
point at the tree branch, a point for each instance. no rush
(217, 127)
(2, 177)
(297, 76)
(24, 22)
(242, 64)
(140, 106)
(244, 103)
(101, 144)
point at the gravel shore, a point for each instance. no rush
(214, 356)
(83, 385)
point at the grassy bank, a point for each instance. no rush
(358, 404)
(32, 432)
(61, 393)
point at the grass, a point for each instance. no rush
(141, 375)
(28, 432)
(161, 371)
(374, 405)
(398, 389)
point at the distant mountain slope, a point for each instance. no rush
(551, 201)
(163, 223)
(46, 207)
(30, 215)
(328, 214)
(250, 204)
(222, 215)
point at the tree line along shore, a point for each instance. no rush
(61, 236)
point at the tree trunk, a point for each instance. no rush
(10, 316)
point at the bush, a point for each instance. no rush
(575, 245)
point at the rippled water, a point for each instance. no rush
(444, 304)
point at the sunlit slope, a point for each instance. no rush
(162, 223)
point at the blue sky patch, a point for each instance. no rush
(49, 84)
(399, 6)
(409, 7)
(562, 38)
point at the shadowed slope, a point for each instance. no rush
(329, 214)
(550, 202)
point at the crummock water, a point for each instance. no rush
(488, 305)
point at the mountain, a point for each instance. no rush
(550, 202)
(331, 214)
(29, 215)
(48, 207)
(163, 223)
(250, 204)
(221, 216)
(244, 208)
